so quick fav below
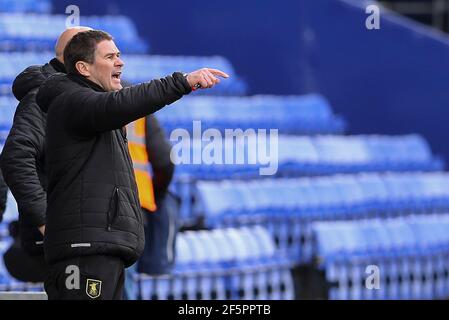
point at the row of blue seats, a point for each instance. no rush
(406, 258)
(415, 235)
(289, 114)
(209, 250)
(294, 155)
(323, 198)
(36, 6)
(308, 114)
(221, 264)
(38, 32)
(138, 68)
(292, 235)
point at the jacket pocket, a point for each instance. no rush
(113, 210)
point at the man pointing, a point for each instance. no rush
(94, 220)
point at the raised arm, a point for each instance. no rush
(103, 111)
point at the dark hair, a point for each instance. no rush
(82, 48)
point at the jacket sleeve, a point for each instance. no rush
(96, 112)
(158, 148)
(19, 162)
(3, 196)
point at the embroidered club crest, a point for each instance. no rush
(93, 288)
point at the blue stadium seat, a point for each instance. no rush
(406, 152)
(35, 6)
(37, 32)
(184, 285)
(204, 261)
(159, 288)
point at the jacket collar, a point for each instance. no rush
(85, 82)
(57, 65)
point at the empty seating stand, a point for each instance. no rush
(300, 156)
(287, 207)
(222, 264)
(409, 257)
(266, 225)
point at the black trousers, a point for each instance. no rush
(95, 277)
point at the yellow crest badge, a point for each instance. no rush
(93, 288)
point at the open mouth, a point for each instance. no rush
(116, 75)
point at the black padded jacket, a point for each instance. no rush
(22, 159)
(93, 205)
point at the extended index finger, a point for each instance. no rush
(217, 72)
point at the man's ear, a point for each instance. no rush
(82, 68)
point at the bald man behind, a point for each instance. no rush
(64, 38)
(22, 158)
